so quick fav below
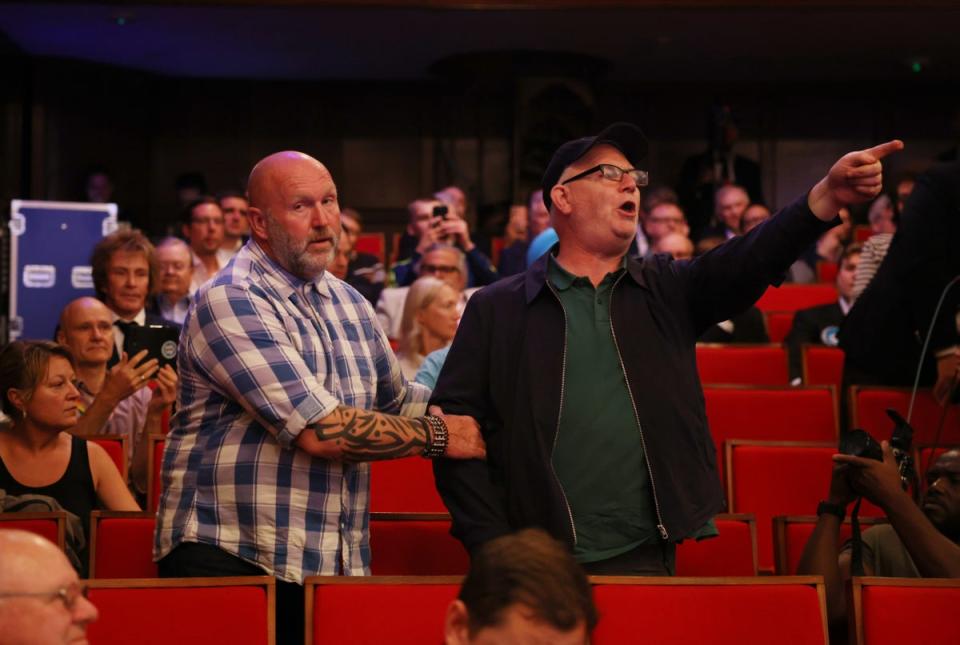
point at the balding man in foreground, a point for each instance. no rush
(582, 371)
(289, 386)
(41, 598)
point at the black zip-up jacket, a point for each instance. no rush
(506, 367)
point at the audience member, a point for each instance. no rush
(291, 384)
(98, 187)
(883, 223)
(919, 542)
(455, 199)
(124, 274)
(426, 229)
(820, 325)
(882, 216)
(522, 588)
(704, 174)
(828, 248)
(882, 335)
(37, 455)
(441, 261)
(430, 367)
(42, 601)
(202, 227)
(175, 263)
(340, 263)
(731, 204)
(236, 228)
(755, 215)
(662, 220)
(115, 401)
(515, 229)
(430, 316)
(365, 271)
(905, 186)
(513, 259)
(582, 371)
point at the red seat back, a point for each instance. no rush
(868, 411)
(732, 553)
(827, 271)
(373, 244)
(897, 610)
(778, 324)
(51, 524)
(184, 610)
(704, 610)
(116, 447)
(157, 443)
(404, 486)
(791, 297)
(415, 544)
(778, 478)
(408, 610)
(742, 364)
(121, 545)
(822, 366)
(791, 533)
(862, 233)
(784, 414)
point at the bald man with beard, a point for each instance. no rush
(289, 388)
(41, 598)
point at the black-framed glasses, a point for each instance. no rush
(67, 595)
(613, 173)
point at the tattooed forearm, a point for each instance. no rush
(362, 435)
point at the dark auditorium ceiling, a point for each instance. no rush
(779, 41)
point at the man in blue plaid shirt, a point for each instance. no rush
(288, 386)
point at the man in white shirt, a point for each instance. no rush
(236, 227)
(203, 227)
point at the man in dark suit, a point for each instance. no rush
(124, 275)
(819, 325)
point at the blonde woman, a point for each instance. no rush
(430, 318)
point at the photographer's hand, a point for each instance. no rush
(878, 481)
(841, 493)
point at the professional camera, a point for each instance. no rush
(859, 443)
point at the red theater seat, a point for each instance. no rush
(121, 545)
(116, 447)
(404, 486)
(50, 524)
(742, 364)
(822, 366)
(239, 611)
(156, 443)
(373, 611)
(770, 413)
(868, 411)
(373, 244)
(862, 233)
(769, 478)
(790, 535)
(415, 544)
(732, 553)
(895, 611)
(827, 271)
(791, 297)
(778, 324)
(758, 611)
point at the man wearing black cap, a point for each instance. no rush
(582, 371)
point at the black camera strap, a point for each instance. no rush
(856, 542)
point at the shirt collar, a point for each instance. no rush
(285, 282)
(563, 279)
(844, 305)
(140, 318)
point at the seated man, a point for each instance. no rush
(819, 325)
(729, 204)
(236, 227)
(115, 401)
(202, 226)
(427, 227)
(919, 542)
(365, 272)
(522, 588)
(41, 598)
(513, 259)
(175, 262)
(440, 260)
(662, 220)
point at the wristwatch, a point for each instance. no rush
(831, 509)
(437, 435)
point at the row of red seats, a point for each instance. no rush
(632, 610)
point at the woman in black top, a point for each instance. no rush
(36, 456)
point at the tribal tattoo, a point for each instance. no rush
(362, 435)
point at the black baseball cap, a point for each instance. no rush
(625, 137)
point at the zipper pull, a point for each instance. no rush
(663, 531)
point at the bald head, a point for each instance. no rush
(273, 170)
(34, 567)
(80, 308)
(676, 244)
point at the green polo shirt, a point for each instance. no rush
(598, 456)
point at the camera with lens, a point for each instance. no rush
(859, 443)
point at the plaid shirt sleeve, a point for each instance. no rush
(241, 344)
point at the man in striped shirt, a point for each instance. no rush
(288, 386)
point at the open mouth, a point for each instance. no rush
(629, 207)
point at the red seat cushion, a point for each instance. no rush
(160, 616)
(124, 548)
(114, 448)
(409, 547)
(871, 405)
(404, 486)
(778, 325)
(898, 615)
(404, 613)
(761, 365)
(735, 614)
(792, 297)
(728, 554)
(823, 366)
